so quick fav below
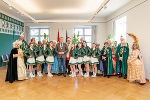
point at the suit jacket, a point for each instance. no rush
(63, 49)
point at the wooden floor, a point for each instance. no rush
(60, 88)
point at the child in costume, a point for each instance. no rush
(94, 58)
(73, 60)
(30, 54)
(39, 53)
(80, 58)
(86, 58)
(49, 54)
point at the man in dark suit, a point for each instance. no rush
(62, 49)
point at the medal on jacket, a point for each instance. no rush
(61, 45)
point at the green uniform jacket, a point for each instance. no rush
(24, 45)
(80, 52)
(49, 52)
(95, 53)
(29, 53)
(73, 53)
(124, 52)
(86, 51)
(39, 51)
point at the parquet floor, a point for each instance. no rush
(60, 88)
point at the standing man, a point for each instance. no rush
(24, 45)
(62, 49)
(68, 54)
(122, 54)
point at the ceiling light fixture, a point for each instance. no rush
(99, 9)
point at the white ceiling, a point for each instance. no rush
(111, 7)
(59, 10)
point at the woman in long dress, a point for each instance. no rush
(21, 68)
(16, 68)
(136, 71)
(55, 68)
(114, 59)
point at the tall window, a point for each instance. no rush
(120, 28)
(38, 33)
(85, 32)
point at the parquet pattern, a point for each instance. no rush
(66, 88)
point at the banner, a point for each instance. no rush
(10, 25)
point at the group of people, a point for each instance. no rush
(62, 58)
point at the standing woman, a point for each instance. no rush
(114, 59)
(34, 43)
(30, 54)
(21, 68)
(15, 64)
(34, 47)
(94, 58)
(99, 60)
(39, 53)
(86, 58)
(136, 71)
(104, 57)
(73, 60)
(44, 46)
(107, 60)
(68, 55)
(79, 53)
(49, 54)
(55, 67)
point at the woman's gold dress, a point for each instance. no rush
(136, 67)
(21, 68)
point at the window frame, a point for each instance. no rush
(83, 36)
(118, 22)
(39, 32)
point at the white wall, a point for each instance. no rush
(138, 22)
(100, 29)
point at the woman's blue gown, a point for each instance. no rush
(55, 68)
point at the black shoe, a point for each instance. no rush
(35, 72)
(108, 76)
(64, 75)
(59, 74)
(125, 77)
(120, 75)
